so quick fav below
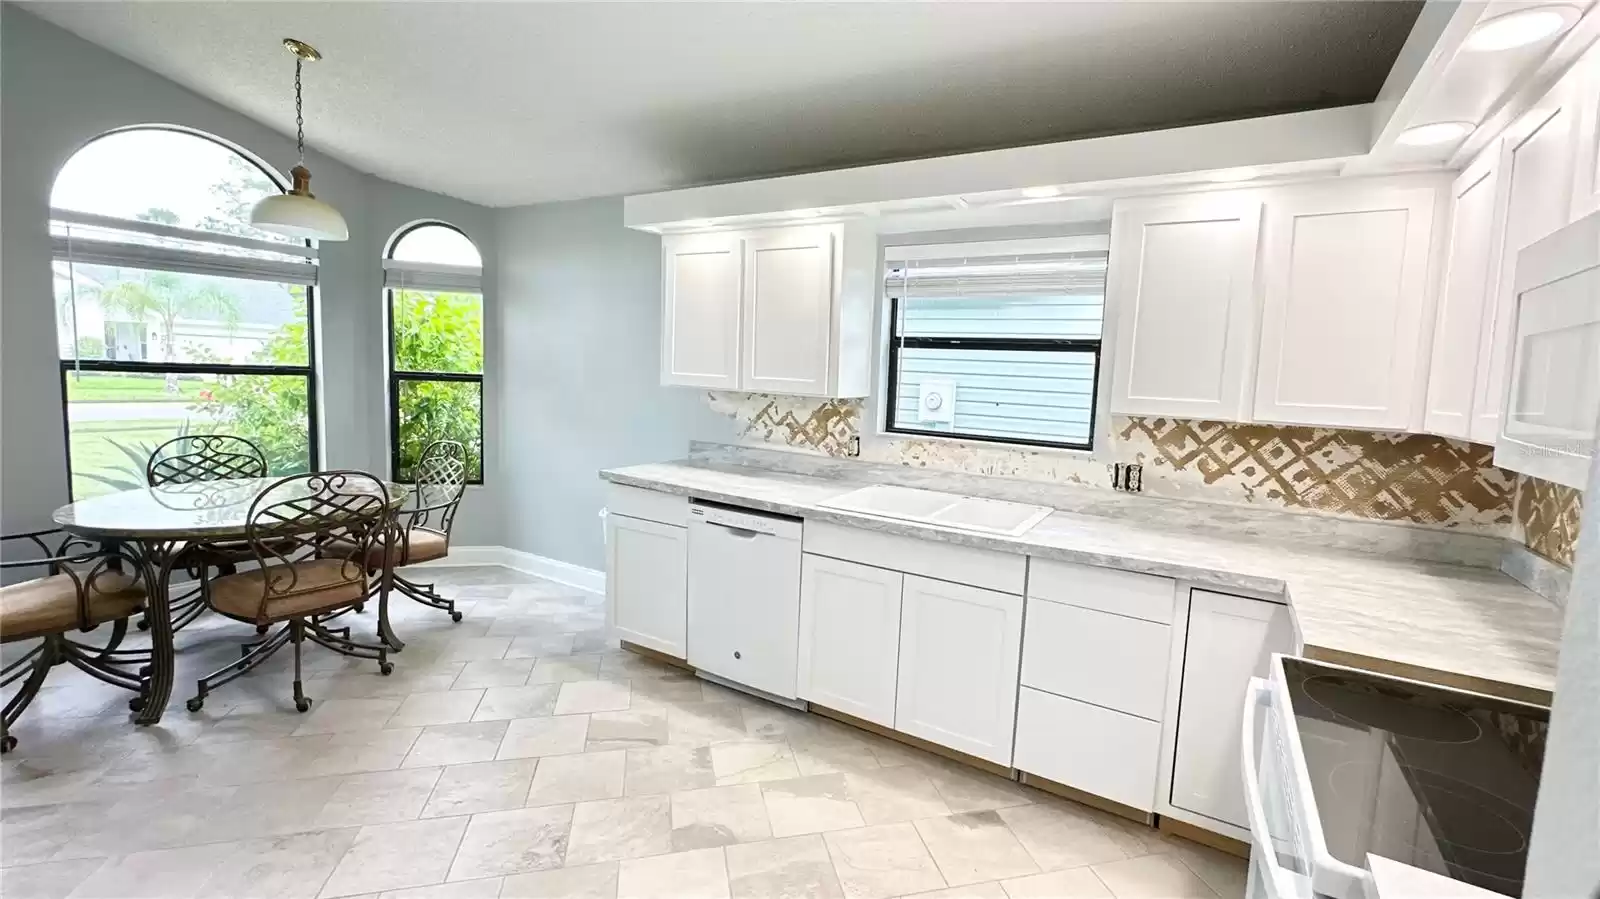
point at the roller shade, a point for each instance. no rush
(430, 276)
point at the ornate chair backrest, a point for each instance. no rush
(333, 515)
(440, 478)
(204, 457)
(91, 567)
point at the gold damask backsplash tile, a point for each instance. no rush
(1548, 516)
(828, 427)
(1388, 477)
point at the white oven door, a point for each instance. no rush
(1278, 861)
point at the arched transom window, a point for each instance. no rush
(173, 314)
(434, 279)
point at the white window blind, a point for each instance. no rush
(432, 276)
(999, 346)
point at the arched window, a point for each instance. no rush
(173, 314)
(433, 277)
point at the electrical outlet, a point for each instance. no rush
(1127, 477)
(852, 447)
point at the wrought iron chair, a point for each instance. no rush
(423, 523)
(83, 586)
(292, 530)
(195, 459)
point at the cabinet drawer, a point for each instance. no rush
(649, 505)
(931, 558)
(1107, 589)
(1108, 660)
(1088, 748)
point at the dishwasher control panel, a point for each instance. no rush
(741, 520)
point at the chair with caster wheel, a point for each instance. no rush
(423, 522)
(301, 580)
(82, 587)
(186, 466)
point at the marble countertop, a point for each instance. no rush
(1461, 626)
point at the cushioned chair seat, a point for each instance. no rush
(49, 605)
(326, 581)
(423, 546)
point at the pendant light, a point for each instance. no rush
(298, 213)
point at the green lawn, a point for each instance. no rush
(103, 388)
(93, 451)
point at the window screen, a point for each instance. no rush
(997, 346)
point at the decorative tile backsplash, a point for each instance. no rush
(1407, 478)
(1413, 478)
(1547, 518)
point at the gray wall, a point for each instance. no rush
(58, 93)
(580, 347)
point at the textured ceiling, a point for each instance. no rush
(512, 103)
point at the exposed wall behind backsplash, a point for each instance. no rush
(1407, 478)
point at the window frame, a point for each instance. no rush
(398, 376)
(118, 366)
(895, 342)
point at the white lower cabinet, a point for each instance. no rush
(849, 637)
(646, 580)
(1088, 748)
(1230, 640)
(1109, 660)
(959, 654)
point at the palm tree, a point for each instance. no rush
(162, 296)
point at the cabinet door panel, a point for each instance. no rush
(1112, 661)
(959, 652)
(788, 300)
(849, 637)
(1230, 640)
(1477, 227)
(1585, 85)
(646, 582)
(700, 276)
(1345, 297)
(1182, 285)
(1088, 748)
(1536, 161)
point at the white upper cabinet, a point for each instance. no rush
(1182, 286)
(1477, 228)
(788, 299)
(1552, 412)
(767, 310)
(1346, 296)
(1537, 163)
(700, 279)
(1585, 82)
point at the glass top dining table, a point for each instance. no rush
(158, 524)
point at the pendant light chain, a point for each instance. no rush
(299, 118)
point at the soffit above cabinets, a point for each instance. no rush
(1444, 79)
(1437, 78)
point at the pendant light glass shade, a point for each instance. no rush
(298, 213)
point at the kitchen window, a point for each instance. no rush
(173, 315)
(996, 342)
(433, 277)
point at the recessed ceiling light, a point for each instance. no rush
(1514, 29)
(1041, 193)
(1434, 134)
(1223, 176)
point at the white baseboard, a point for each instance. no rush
(586, 579)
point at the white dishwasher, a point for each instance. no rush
(744, 596)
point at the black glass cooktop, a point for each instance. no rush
(1435, 778)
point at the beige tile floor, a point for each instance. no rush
(520, 753)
